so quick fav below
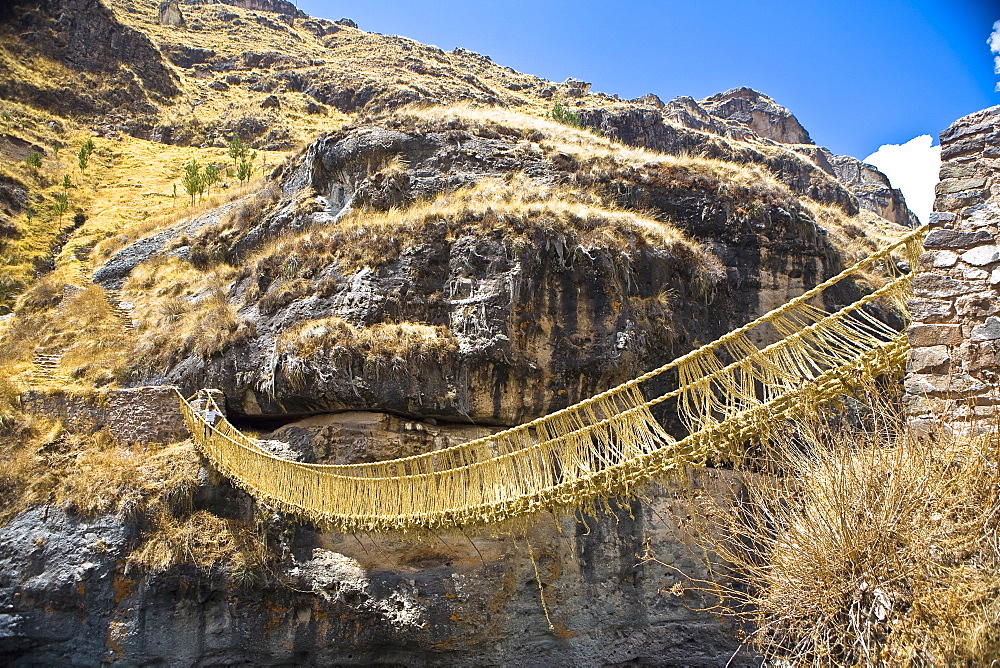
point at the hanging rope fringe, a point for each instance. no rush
(727, 391)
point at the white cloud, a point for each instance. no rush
(994, 42)
(913, 168)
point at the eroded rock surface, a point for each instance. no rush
(774, 139)
(67, 597)
(532, 320)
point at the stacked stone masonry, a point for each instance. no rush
(955, 335)
(136, 415)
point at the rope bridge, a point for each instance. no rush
(726, 392)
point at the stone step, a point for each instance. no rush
(47, 366)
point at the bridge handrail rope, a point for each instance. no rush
(724, 388)
(690, 367)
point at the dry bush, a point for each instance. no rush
(30, 460)
(401, 342)
(43, 294)
(204, 327)
(204, 540)
(854, 543)
(131, 482)
(335, 343)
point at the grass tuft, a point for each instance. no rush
(855, 543)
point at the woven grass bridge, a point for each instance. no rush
(726, 393)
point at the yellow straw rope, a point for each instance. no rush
(727, 391)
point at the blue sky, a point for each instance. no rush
(857, 73)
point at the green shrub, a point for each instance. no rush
(83, 155)
(237, 150)
(566, 116)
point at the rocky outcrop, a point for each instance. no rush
(283, 7)
(516, 317)
(661, 131)
(765, 133)
(57, 577)
(13, 201)
(170, 14)
(113, 273)
(758, 112)
(866, 182)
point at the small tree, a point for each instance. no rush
(193, 180)
(244, 171)
(237, 150)
(34, 160)
(83, 155)
(566, 116)
(212, 175)
(66, 182)
(60, 205)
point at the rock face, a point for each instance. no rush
(518, 318)
(955, 335)
(50, 559)
(69, 599)
(758, 112)
(773, 137)
(870, 186)
(113, 273)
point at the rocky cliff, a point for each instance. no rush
(470, 267)
(770, 136)
(126, 74)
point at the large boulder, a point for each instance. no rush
(170, 14)
(471, 270)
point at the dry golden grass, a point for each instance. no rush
(132, 482)
(516, 211)
(88, 473)
(856, 237)
(55, 316)
(206, 541)
(132, 193)
(584, 146)
(327, 341)
(857, 544)
(203, 326)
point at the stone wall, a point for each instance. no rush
(132, 415)
(955, 335)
